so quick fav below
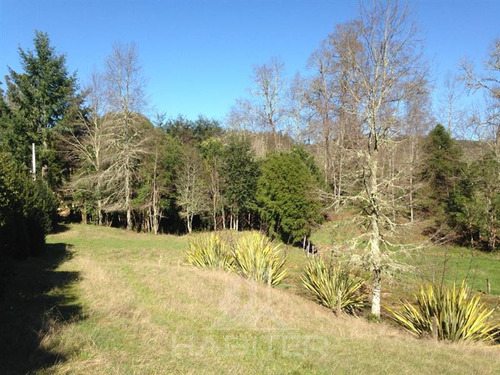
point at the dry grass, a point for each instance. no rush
(147, 313)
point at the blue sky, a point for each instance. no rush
(198, 55)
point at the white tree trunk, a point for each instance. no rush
(374, 232)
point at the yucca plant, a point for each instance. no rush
(333, 286)
(209, 252)
(256, 258)
(458, 314)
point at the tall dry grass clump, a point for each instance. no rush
(256, 258)
(209, 252)
(252, 256)
(333, 286)
(448, 313)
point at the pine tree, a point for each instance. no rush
(41, 97)
(441, 169)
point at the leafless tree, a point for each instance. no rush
(452, 93)
(390, 66)
(332, 109)
(418, 119)
(487, 124)
(89, 144)
(125, 95)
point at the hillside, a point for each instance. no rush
(107, 301)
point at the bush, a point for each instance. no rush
(28, 210)
(328, 282)
(209, 252)
(256, 258)
(458, 315)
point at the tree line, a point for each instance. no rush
(356, 131)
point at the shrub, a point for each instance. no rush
(328, 282)
(256, 258)
(28, 210)
(458, 315)
(209, 252)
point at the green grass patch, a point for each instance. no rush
(134, 307)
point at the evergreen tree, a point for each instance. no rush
(286, 197)
(474, 209)
(41, 97)
(441, 169)
(240, 172)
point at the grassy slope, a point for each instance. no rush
(431, 263)
(142, 312)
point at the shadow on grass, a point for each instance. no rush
(37, 298)
(60, 228)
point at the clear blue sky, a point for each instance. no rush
(198, 54)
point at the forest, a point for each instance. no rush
(355, 134)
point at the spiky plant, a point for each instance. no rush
(209, 252)
(333, 286)
(458, 314)
(256, 258)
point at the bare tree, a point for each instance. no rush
(486, 127)
(266, 108)
(155, 178)
(487, 124)
(332, 107)
(89, 144)
(418, 119)
(451, 95)
(389, 67)
(126, 99)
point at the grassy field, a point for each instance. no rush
(107, 301)
(430, 263)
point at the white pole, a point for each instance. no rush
(33, 160)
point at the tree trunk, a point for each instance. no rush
(374, 233)
(128, 205)
(84, 216)
(156, 216)
(223, 218)
(189, 220)
(155, 222)
(99, 212)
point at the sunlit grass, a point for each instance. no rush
(145, 312)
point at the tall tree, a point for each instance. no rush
(156, 177)
(441, 168)
(389, 64)
(42, 96)
(240, 172)
(88, 141)
(287, 196)
(265, 110)
(192, 193)
(332, 107)
(488, 125)
(417, 120)
(213, 154)
(125, 85)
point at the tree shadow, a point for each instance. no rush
(60, 228)
(38, 298)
